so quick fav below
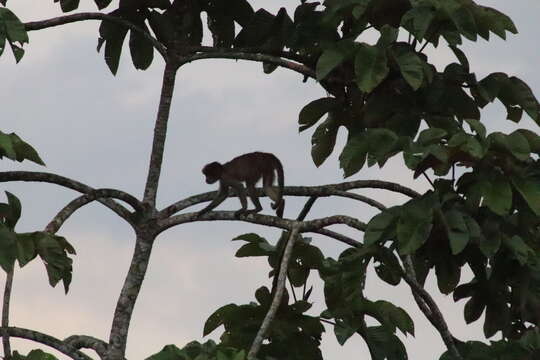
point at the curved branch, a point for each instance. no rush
(87, 342)
(31, 176)
(234, 54)
(55, 224)
(276, 300)
(5, 312)
(48, 340)
(315, 225)
(319, 191)
(361, 198)
(66, 19)
(282, 54)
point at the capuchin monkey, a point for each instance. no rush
(248, 169)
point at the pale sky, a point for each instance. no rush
(96, 128)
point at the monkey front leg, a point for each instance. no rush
(237, 185)
(220, 197)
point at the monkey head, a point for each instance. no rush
(212, 172)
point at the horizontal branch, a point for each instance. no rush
(339, 237)
(48, 340)
(66, 19)
(304, 226)
(258, 57)
(318, 191)
(55, 224)
(31, 176)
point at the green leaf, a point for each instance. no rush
(411, 67)
(218, 317)
(24, 150)
(431, 136)
(519, 249)
(334, 56)
(417, 20)
(312, 112)
(101, 4)
(6, 146)
(142, 50)
(18, 52)
(26, 248)
(8, 248)
(324, 140)
(15, 30)
(343, 332)
(477, 127)
(15, 213)
(448, 274)
(530, 191)
(415, 223)
(113, 34)
(464, 21)
(69, 5)
(170, 352)
(497, 194)
(473, 309)
(381, 226)
(370, 66)
(457, 231)
(353, 156)
(38, 354)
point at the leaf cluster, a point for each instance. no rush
(24, 247)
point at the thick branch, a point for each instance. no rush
(79, 202)
(48, 340)
(276, 300)
(319, 191)
(160, 133)
(65, 182)
(429, 307)
(5, 313)
(66, 19)
(87, 342)
(130, 292)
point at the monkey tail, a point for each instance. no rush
(279, 205)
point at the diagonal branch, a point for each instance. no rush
(339, 189)
(31, 176)
(276, 300)
(48, 340)
(66, 19)
(55, 224)
(160, 134)
(428, 306)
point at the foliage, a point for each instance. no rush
(482, 213)
(34, 355)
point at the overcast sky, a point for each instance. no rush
(96, 128)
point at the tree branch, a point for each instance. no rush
(339, 189)
(66, 19)
(55, 224)
(48, 340)
(304, 226)
(130, 292)
(87, 342)
(5, 312)
(276, 300)
(429, 307)
(160, 133)
(31, 176)
(339, 237)
(241, 55)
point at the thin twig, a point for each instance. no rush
(276, 300)
(428, 179)
(361, 198)
(307, 207)
(48, 340)
(5, 313)
(429, 307)
(339, 237)
(66, 19)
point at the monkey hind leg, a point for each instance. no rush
(279, 203)
(280, 206)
